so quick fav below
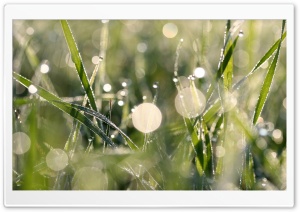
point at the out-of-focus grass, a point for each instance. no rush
(216, 150)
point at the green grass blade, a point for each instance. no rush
(51, 98)
(100, 117)
(267, 83)
(76, 58)
(268, 54)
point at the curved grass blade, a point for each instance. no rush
(76, 58)
(100, 117)
(51, 98)
(267, 82)
(268, 54)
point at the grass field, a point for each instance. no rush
(149, 105)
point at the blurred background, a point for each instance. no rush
(137, 61)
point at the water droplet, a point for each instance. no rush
(57, 159)
(144, 97)
(241, 33)
(107, 87)
(155, 85)
(120, 102)
(199, 72)
(170, 30)
(263, 132)
(95, 60)
(124, 84)
(44, 68)
(32, 89)
(112, 136)
(175, 79)
(146, 117)
(190, 102)
(91, 139)
(181, 40)
(21, 143)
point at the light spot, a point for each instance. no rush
(199, 72)
(21, 143)
(104, 21)
(277, 136)
(263, 132)
(144, 97)
(107, 87)
(190, 102)
(241, 33)
(32, 89)
(29, 31)
(123, 93)
(170, 30)
(124, 84)
(57, 159)
(95, 60)
(120, 102)
(112, 136)
(175, 79)
(284, 103)
(220, 151)
(89, 178)
(260, 120)
(241, 59)
(142, 47)
(44, 68)
(261, 143)
(146, 117)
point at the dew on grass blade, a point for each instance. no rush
(155, 85)
(57, 159)
(190, 102)
(199, 72)
(89, 178)
(241, 33)
(170, 30)
(146, 117)
(95, 60)
(21, 143)
(32, 89)
(107, 87)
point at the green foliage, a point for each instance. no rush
(221, 148)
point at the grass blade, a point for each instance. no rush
(51, 98)
(76, 58)
(100, 117)
(267, 82)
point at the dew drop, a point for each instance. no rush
(21, 143)
(57, 159)
(95, 60)
(107, 87)
(120, 102)
(112, 136)
(241, 33)
(155, 85)
(175, 79)
(199, 72)
(44, 68)
(124, 84)
(144, 97)
(146, 117)
(190, 102)
(32, 89)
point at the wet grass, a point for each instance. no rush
(234, 142)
